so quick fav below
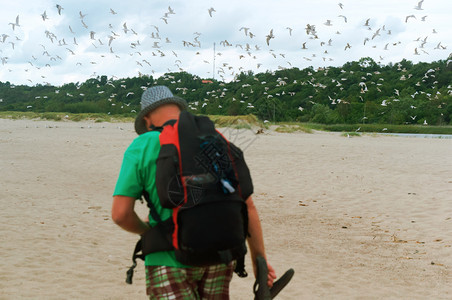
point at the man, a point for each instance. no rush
(166, 278)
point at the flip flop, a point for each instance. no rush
(260, 288)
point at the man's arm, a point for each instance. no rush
(124, 215)
(256, 240)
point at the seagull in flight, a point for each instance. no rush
(112, 11)
(4, 36)
(376, 33)
(84, 25)
(110, 39)
(419, 5)
(44, 16)
(345, 18)
(269, 37)
(410, 16)
(210, 10)
(244, 28)
(290, 30)
(59, 9)
(15, 24)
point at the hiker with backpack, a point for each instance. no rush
(198, 189)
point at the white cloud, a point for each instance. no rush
(33, 43)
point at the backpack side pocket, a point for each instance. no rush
(168, 182)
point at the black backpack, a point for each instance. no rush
(205, 180)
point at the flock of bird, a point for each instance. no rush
(87, 44)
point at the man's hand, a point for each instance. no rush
(271, 275)
(256, 240)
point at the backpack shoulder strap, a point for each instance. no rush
(152, 210)
(160, 128)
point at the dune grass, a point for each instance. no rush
(61, 116)
(290, 128)
(350, 134)
(237, 122)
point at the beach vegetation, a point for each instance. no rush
(350, 134)
(96, 117)
(381, 128)
(400, 97)
(237, 121)
(291, 127)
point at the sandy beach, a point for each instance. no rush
(366, 217)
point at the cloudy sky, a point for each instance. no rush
(40, 45)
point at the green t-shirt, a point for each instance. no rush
(138, 173)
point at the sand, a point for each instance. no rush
(365, 217)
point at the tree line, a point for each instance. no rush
(357, 92)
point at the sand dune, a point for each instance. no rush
(363, 217)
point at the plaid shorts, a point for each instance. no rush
(189, 283)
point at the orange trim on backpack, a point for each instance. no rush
(171, 136)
